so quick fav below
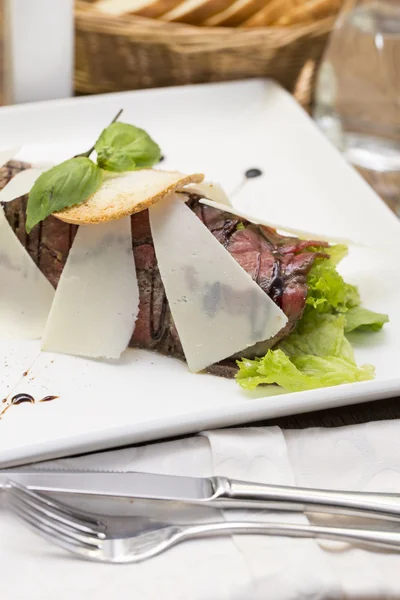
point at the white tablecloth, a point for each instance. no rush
(363, 457)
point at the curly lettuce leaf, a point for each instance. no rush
(248, 376)
(363, 319)
(318, 354)
(299, 373)
(319, 335)
(327, 291)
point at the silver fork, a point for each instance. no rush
(140, 539)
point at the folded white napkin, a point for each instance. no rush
(363, 457)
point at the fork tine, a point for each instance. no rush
(51, 524)
(78, 547)
(57, 511)
(77, 550)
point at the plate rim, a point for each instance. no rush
(256, 409)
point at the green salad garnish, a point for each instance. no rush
(317, 353)
(120, 147)
(68, 184)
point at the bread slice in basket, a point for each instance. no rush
(151, 9)
(194, 12)
(272, 12)
(309, 11)
(236, 14)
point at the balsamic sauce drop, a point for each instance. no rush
(48, 398)
(251, 173)
(20, 398)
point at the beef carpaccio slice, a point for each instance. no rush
(279, 264)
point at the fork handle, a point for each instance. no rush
(230, 493)
(389, 540)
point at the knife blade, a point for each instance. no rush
(215, 492)
(115, 484)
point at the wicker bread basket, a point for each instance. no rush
(131, 52)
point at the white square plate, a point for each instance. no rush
(222, 130)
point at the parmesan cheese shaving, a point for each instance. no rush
(25, 293)
(8, 154)
(97, 299)
(20, 185)
(297, 232)
(217, 308)
(210, 190)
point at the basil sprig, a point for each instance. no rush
(123, 147)
(120, 147)
(70, 183)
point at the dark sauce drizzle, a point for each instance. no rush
(22, 399)
(277, 285)
(252, 173)
(249, 174)
(48, 398)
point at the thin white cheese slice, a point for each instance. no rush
(210, 190)
(20, 185)
(8, 154)
(97, 299)
(297, 232)
(25, 293)
(217, 308)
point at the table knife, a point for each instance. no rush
(216, 492)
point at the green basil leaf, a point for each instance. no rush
(122, 147)
(68, 184)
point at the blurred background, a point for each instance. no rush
(340, 59)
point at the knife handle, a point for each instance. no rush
(231, 493)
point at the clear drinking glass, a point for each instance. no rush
(357, 101)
